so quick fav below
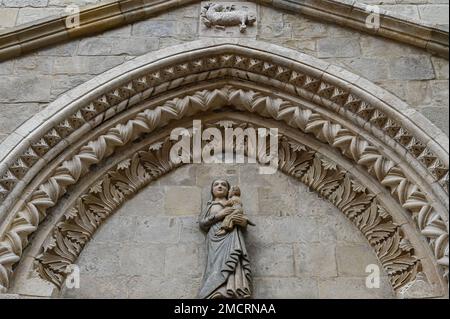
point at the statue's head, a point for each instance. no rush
(234, 191)
(220, 188)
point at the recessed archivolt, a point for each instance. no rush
(329, 94)
(313, 81)
(102, 198)
(350, 144)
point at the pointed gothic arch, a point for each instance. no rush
(364, 124)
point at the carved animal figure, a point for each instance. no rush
(215, 14)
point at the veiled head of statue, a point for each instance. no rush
(220, 188)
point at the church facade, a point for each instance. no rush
(114, 125)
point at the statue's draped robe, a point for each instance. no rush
(227, 273)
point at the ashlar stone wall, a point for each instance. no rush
(29, 83)
(18, 12)
(152, 247)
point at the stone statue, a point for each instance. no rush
(227, 273)
(215, 14)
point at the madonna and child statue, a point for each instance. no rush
(227, 273)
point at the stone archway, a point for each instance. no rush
(360, 121)
(97, 201)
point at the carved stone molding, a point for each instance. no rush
(335, 104)
(114, 13)
(259, 67)
(319, 173)
(351, 145)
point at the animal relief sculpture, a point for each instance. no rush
(219, 16)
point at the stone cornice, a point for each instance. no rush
(110, 14)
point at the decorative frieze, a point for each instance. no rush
(216, 67)
(351, 145)
(263, 70)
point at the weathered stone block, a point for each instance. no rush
(141, 259)
(186, 29)
(154, 28)
(352, 288)
(32, 64)
(63, 83)
(290, 229)
(406, 10)
(439, 116)
(64, 49)
(308, 28)
(26, 15)
(117, 46)
(441, 68)
(206, 173)
(411, 68)
(276, 30)
(7, 67)
(116, 229)
(25, 88)
(346, 231)
(25, 3)
(157, 230)
(8, 17)
(352, 260)
(440, 93)
(188, 265)
(374, 46)
(85, 64)
(148, 202)
(310, 204)
(288, 288)
(338, 47)
(12, 115)
(100, 259)
(370, 68)
(436, 13)
(182, 176)
(172, 287)
(110, 287)
(190, 230)
(317, 260)
(277, 203)
(183, 201)
(272, 260)
(63, 3)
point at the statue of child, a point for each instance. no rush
(237, 217)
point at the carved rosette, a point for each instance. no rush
(319, 173)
